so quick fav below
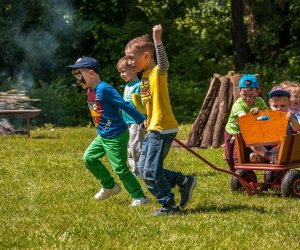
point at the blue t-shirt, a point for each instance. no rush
(105, 103)
(130, 88)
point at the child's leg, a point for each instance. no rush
(174, 178)
(136, 138)
(116, 149)
(91, 159)
(155, 148)
(230, 151)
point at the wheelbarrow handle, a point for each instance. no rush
(249, 189)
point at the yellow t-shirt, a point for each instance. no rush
(155, 98)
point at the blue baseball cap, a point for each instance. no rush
(85, 62)
(248, 81)
(279, 91)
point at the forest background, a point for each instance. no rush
(201, 37)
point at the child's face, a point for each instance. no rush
(249, 95)
(136, 59)
(280, 103)
(127, 73)
(82, 77)
(295, 102)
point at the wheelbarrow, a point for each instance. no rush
(268, 131)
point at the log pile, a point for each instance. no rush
(208, 128)
(14, 100)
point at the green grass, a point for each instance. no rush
(47, 202)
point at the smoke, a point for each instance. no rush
(39, 41)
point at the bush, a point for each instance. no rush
(61, 105)
(186, 98)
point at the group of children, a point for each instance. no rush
(285, 98)
(145, 155)
(122, 136)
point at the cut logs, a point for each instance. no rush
(208, 128)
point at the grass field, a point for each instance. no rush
(47, 202)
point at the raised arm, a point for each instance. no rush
(161, 55)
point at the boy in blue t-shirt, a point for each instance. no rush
(105, 103)
(136, 131)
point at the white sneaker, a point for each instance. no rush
(139, 202)
(106, 192)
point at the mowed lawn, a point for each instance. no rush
(47, 202)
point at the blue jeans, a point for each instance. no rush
(159, 181)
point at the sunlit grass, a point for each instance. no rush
(47, 202)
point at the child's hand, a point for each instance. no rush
(294, 123)
(254, 111)
(145, 124)
(289, 116)
(157, 31)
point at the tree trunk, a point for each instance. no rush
(241, 48)
(200, 122)
(218, 137)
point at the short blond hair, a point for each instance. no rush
(123, 63)
(292, 87)
(140, 44)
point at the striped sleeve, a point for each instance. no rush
(162, 59)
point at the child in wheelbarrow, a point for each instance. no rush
(279, 101)
(294, 89)
(249, 102)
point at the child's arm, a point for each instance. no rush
(161, 55)
(112, 95)
(294, 123)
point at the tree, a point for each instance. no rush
(241, 48)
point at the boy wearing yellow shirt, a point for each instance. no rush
(162, 126)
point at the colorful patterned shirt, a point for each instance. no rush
(105, 103)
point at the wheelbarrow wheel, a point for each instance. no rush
(269, 177)
(290, 185)
(248, 175)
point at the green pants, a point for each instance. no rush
(116, 150)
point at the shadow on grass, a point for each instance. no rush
(228, 208)
(272, 193)
(45, 136)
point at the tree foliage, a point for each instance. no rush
(38, 38)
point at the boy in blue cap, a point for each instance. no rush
(249, 102)
(105, 103)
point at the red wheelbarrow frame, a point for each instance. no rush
(256, 131)
(247, 187)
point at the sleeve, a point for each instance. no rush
(262, 104)
(237, 108)
(112, 95)
(162, 58)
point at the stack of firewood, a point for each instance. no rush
(15, 100)
(208, 128)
